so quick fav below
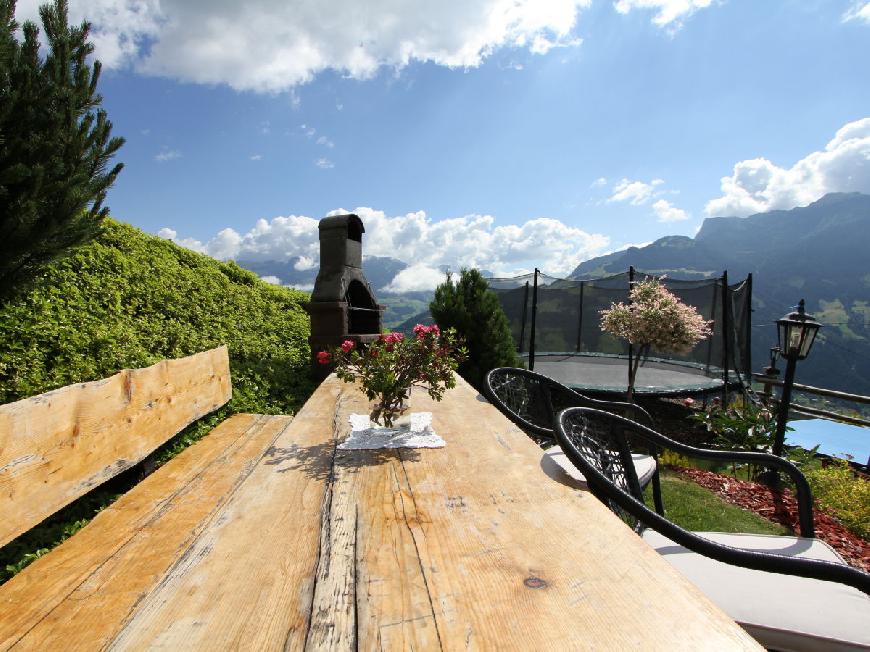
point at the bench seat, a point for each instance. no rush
(97, 578)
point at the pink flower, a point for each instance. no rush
(391, 339)
(347, 345)
(689, 402)
(421, 331)
(323, 357)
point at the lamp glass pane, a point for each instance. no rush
(808, 339)
(795, 337)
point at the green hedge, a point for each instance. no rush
(128, 300)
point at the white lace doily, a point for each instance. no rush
(416, 433)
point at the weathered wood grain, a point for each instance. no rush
(80, 595)
(514, 560)
(247, 580)
(58, 446)
(370, 591)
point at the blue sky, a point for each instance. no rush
(505, 134)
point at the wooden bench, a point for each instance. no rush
(56, 447)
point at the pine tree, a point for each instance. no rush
(55, 144)
(474, 311)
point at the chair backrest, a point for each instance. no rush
(57, 446)
(532, 400)
(596, 443)
(598, 446)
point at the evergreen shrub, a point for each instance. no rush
(470, 307)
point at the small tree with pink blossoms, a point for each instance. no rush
(654, 319)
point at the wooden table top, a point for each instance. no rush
(470, 546)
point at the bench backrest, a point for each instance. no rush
(57, 446)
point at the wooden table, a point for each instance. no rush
(467, 546)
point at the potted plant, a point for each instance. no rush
(388, 368)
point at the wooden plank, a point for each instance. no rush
(56, 447)
(247, 579)
(85, 590)
(370, 590)
(510, 559)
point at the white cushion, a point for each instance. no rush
(557, 466)
(783, 612)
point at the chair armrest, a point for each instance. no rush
(816, 569)
(804, 493)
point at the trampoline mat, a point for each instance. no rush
(609, 374)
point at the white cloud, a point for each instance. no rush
(415, 278)
(639, 245)
(324, 163)
(256, 157)
(274, 280)
(669, 13)
(167, 155)
(634, 192)
(304, 263)
(120, 28)
(667, 212)
(469, 241)
(274, 45)
(168, 234)
(758, 185)
(859, 11)
(600, 182)
(323, 140)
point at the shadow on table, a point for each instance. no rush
(318, 460)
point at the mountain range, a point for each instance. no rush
(818, 253)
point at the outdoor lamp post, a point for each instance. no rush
(796, 333)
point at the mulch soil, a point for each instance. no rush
(781, 507)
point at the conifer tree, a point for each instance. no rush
(55, 144)
(470, 307)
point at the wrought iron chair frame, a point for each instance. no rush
(630, 500)
(573, 398)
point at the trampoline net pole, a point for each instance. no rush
(534, 319)
(580, 320)
(630, 347)
(525, 314)
(726, 337)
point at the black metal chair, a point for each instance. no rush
(761, 581)
(532, 401)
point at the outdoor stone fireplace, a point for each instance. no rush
(343, 305)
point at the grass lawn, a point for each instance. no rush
(694, 508)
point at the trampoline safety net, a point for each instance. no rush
(552, 316)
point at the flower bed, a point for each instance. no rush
(782, 508)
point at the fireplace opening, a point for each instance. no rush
(363, 314)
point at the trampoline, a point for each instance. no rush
(608, 374)
(556, 327)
